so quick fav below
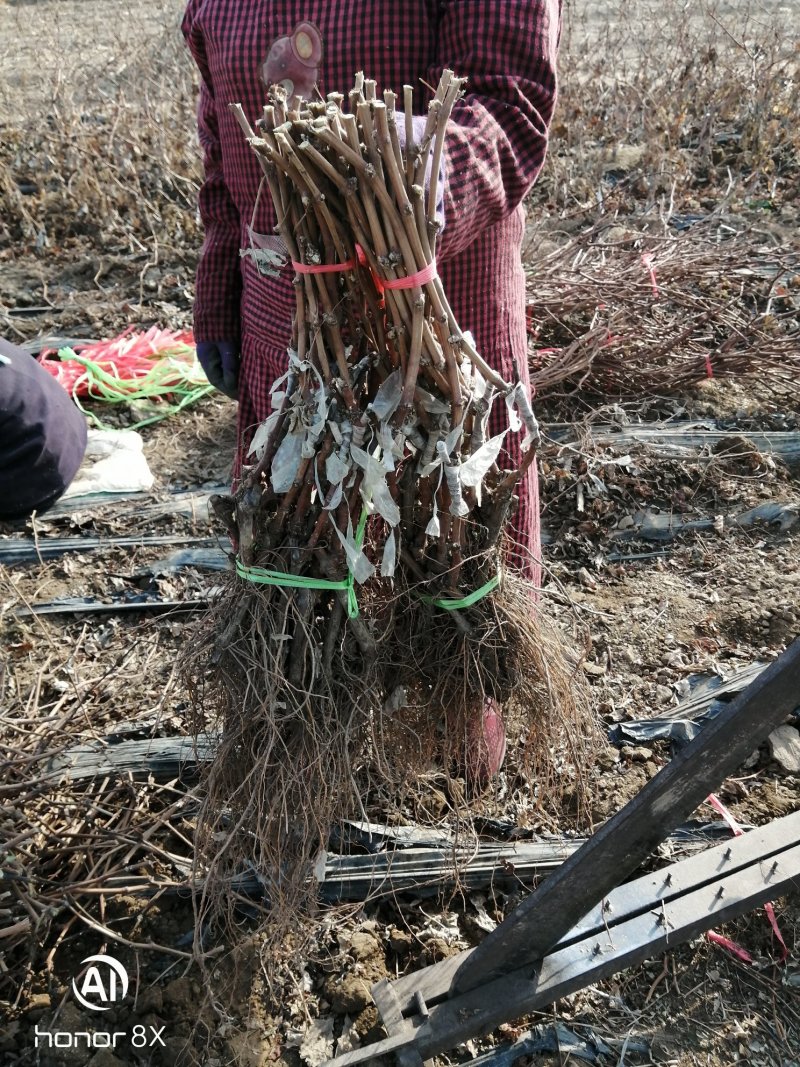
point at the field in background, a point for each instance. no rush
(676, 136)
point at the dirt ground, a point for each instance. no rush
(706, 603)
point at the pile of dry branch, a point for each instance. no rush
(648, 315)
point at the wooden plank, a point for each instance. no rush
(623, 842)
(566, 970)
(626, 902)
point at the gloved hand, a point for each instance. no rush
(418, 123)
(220, 363)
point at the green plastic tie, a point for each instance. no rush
(262, 576)
(156, 383)
(452, 604)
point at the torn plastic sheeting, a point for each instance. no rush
(392, 445)
(262, 435)
(25, 550)
(429, 403)
(533, 434)
(374, 488)
(514, 421)
(388, 396)
(475, 469)
(315, 427)
(336, 468)
(708, 696)
(389, 556)
(357, 563)
(556, 1040)
(681, 731)
(204, 559)
(654, 526)
(458, 505)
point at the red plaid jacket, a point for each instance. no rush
(495, 147)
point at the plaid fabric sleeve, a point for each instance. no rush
(497, 140)
(218, 282)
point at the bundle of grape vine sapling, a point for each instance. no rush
(371, 616)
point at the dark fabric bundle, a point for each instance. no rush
(42, 435)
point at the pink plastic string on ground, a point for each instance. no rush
(725, 942)
(647, 261)
(728, 945)
(129, 357)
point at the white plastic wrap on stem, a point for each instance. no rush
(452, 473)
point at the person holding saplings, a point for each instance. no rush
(495, 146)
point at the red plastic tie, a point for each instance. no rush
(709, 368)
(422, 277)
(731, 946)
(323, 268)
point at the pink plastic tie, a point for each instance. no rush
(773, 922)
(422, 277)
(323, 268)
(724, 942)
(647, 261)
(721, 810)
(730, 946)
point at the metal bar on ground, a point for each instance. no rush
(623, 842)
(629, 900)
(657, 926)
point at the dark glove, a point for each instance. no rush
(220, 363)
(418, 123)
